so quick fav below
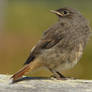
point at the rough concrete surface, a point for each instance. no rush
(44, 85)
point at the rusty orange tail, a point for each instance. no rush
(21, 72)
(29, 67)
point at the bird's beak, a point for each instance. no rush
(56, 12)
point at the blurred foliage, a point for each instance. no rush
(25, 20)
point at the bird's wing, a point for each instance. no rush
(49, 39)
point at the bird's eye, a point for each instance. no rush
(65, 12)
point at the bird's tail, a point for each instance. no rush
(29, 67)
(21, 72)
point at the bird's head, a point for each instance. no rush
(65, 12)
(68, 14)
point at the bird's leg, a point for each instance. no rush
(62, 76)
(57, 75)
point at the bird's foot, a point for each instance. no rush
(58, 78)
(62, 78)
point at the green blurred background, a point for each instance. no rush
(22, 26)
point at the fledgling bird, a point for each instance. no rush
(61, 46)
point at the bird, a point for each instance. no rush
(61, 45)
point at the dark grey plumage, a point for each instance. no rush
(62, 45)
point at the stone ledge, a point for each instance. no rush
(44, 85)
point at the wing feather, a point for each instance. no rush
(49, 39)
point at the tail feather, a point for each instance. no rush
(21, 72)
(28, 67)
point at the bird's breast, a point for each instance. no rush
(53, 58)
(72, 59)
